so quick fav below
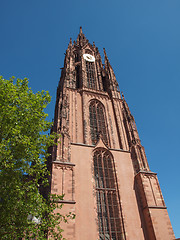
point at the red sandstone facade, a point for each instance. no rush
(100, 164)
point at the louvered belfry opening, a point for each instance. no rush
(108, 207)
(97, 122)
(90, 75)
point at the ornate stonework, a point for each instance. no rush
(99, 164)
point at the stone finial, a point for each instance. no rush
(122, 95)
(80, 30)
(105, 53)
(70, 42)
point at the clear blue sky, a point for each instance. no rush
(142, 40)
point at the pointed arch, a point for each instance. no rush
(88, 51)
(98, 123)
(90, 70)
(108, 206)
(76, 56)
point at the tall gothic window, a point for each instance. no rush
(97, 122)
(76, 57)
(90, 75)
(108, 208)
(77, 76)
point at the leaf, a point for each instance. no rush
(24, 146)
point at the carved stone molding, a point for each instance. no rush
(64, 165)
(145, 173)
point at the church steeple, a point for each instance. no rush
(85, 68)
(99, 163)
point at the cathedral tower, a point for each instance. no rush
(99, 164)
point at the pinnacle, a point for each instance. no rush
(122, 95)
(81, 39)
(105, 53)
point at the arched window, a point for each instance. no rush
(77, 76)
(97, 122)
(90, 75)
(108, 207)
(76, 57)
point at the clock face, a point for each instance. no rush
(89, 57)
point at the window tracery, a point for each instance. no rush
(108, 208)
(97, 122)
(76, 56)
(90, 75)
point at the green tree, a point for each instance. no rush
(24, 212)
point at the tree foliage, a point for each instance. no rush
(24, 212)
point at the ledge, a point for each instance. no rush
(66, 201)
(89, 90)
(157, 207)
(94, 91)
(93, 146)
(119, 150)
(64, 163)
(82, 144)
(146, 172)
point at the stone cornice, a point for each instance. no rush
(145, 172)
(64, 163)
(90, 91)
(93, 146)
(157, 207)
